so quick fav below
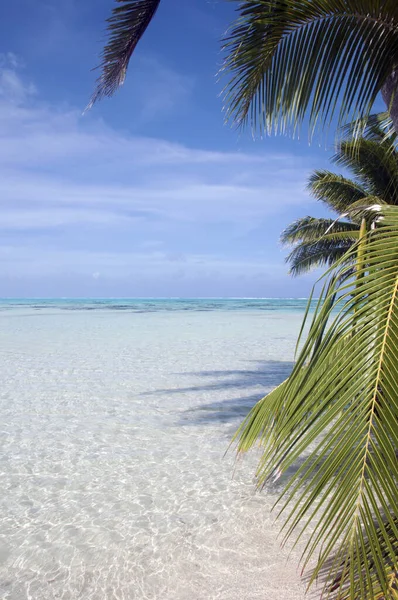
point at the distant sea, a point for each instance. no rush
(158, 304)
(116, 415)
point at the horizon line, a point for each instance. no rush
(155, 298)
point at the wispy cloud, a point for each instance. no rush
(75, 185)
(12, 89)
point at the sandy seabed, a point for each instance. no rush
(114, 484)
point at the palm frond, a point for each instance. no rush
(374, 163)
(363, 210)
(290, 59)
(378, 127)
(339, 408)
(336, 191)
(369, 564)
(310, 229)
(126, 26)
(307, 256)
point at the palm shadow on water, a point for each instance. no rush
(236, 383)
(265, 375)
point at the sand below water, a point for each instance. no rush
(113, 476)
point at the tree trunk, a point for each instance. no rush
(389, 92)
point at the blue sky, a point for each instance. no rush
(149, 193)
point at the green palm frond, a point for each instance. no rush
(374, 164)
(377, 127)
(369, 564)
(289, 59)
(339, 410)
(363, 210)
(126, 26)
(307, 256)
(336, 191)
(311, 229)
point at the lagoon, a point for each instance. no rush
(115, 419)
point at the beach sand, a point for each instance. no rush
(113, 475)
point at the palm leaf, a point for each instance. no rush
(365, 209)
(378, 127)
(340, 409)
(290, 59)
(374, 163)
(126, 26)
(311, 229)
(336, 191)
(369, 565)
(325, 252)
(317, 242)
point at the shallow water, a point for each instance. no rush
(113, 432)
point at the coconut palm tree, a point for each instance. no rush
(339, 409)
(288, 59)
(373, 161)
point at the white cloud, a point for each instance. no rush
(10, 60)
(13, 90)
(78, 182)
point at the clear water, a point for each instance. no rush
(115, 419)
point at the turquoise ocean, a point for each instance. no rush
(157, 304)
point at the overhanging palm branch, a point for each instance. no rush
(339, 408)
(289, 59)
(126, 26)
